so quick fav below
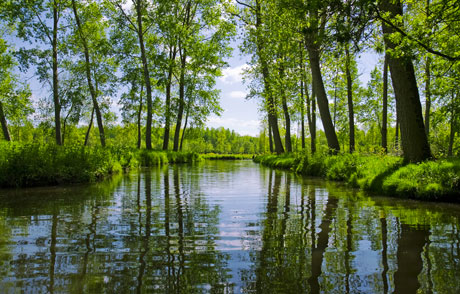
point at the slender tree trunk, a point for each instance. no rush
(427, 95)
(270, 140)
(334, 116)
(56, 100)
(351, 114)
(145, 66)
(180, 111)
(413, 136)
(88, 76)
(172, 57)
(139, 119)
(287, 118)
(313, 122)
(397, 132)
(428, 77)
(452, 126)
(302, 114)
(271, 107)
(323, 103)
(385, 105)
(89, 128)
(6, 132)
(187, 113)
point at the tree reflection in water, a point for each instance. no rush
(224, 227)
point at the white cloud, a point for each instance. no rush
(242, 127)
(127, 6)
(237, 94)
(233, 75)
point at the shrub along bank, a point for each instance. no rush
(25, 165)
(386, 175)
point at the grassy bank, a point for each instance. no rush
(26, 165)
(214, 156)
(386, 175)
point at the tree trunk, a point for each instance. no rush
(351, 115)
(187, 113)
(385, 105)
(180, 111)
(427, 95)
(452, 126)
(172, 57)
(302, 114)
(334, 116)
(6, 132)
(313, 122)
(271, 108)
(270, 140)
(88, 76)
(140, 34)
(139, 119)
(89, 128)
(56, 100)
(397, 132)
(413, 136)
(323, 103)
(287, 118)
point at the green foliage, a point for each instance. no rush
(24, 165)
(284, 161)
(155, 158)
(427, 180)
(213, 156)
(430, 180)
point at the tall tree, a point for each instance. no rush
(257, 33)
(14, 97)
(385, 105)
(93, 92)
(202, 44)
(37, 21)
(314, 33)
(413, 136)
(136, 23)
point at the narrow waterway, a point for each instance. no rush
(224, 227)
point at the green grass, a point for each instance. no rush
(386, 175)
(37, 165)
(214, 156)
(25, 165)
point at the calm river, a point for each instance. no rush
(224, 227)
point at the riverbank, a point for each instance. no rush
(28, 165)
(214, 156)
(386, 175)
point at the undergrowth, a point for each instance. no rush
(25, 165)
(383, 174)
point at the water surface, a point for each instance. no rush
(224, 227)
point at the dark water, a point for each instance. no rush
(224, 227)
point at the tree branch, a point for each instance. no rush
(126, 16)
(246, 5)
(420, 43)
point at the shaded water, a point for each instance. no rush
(224, 227)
